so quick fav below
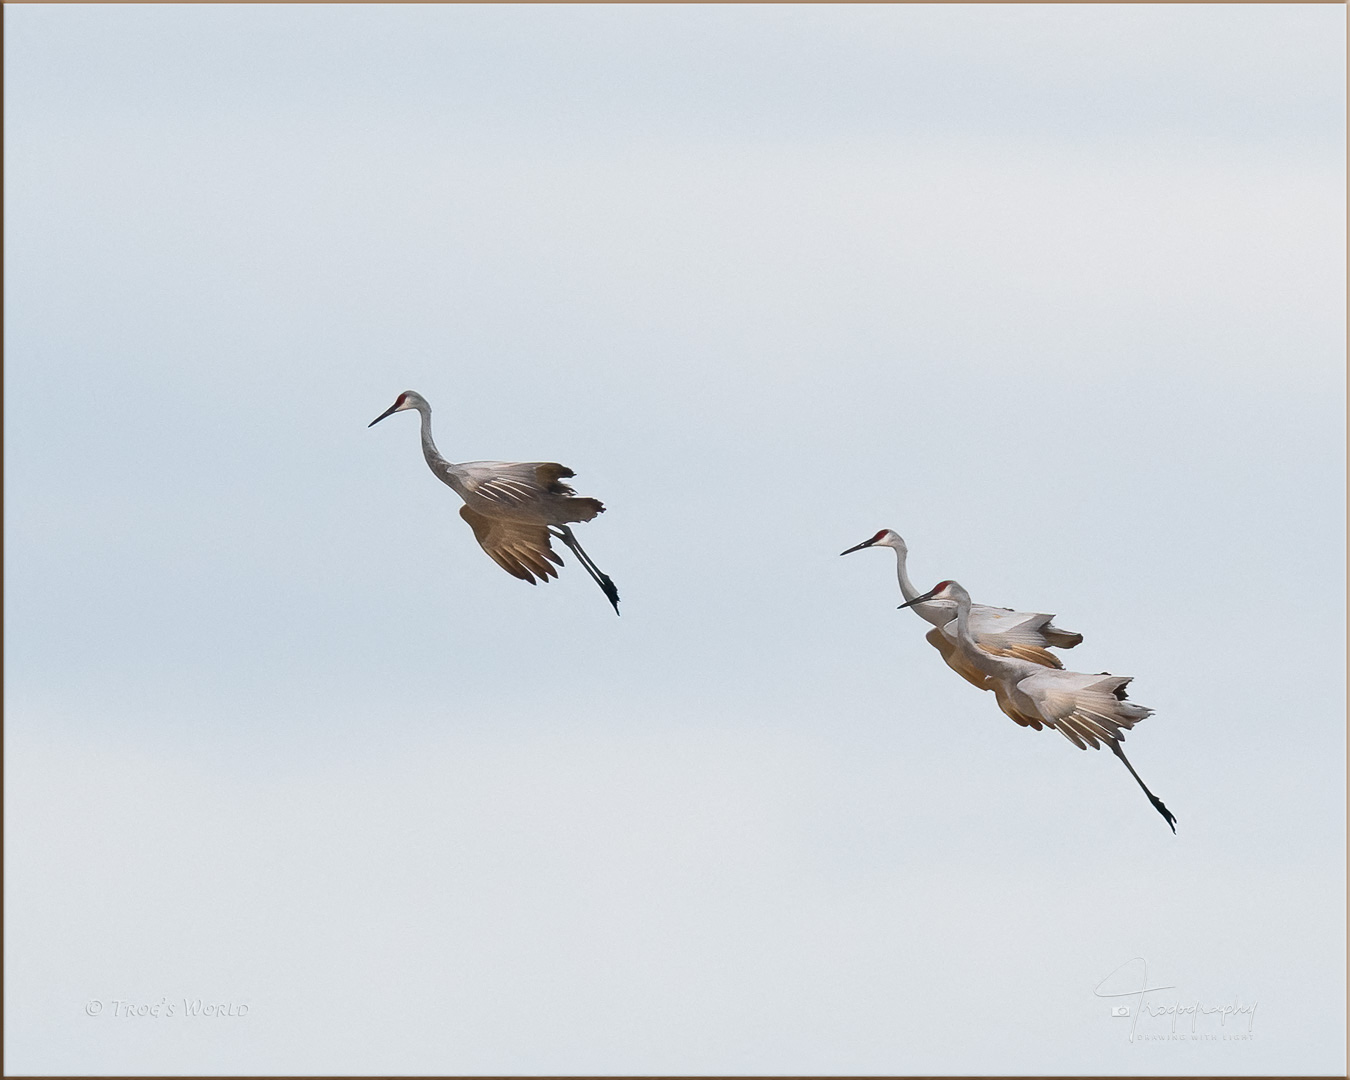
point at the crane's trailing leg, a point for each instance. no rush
(563, 533)
(1157, 802)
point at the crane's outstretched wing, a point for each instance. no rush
(1021, 650)
(1014, 640)
(514, 483)
(1086, 709)
(520, 548)
(1023, 634)
(521, 484)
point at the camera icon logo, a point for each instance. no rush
(1120, 1010)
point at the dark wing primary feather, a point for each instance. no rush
(550, 474)
(520, 548)
(997, 629)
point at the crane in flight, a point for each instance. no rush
(1002, 631)
(1088, 710)
(513, 507)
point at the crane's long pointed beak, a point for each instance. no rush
(919, 599)
(858, 547)
(387, 412)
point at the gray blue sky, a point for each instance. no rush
(1057, 292)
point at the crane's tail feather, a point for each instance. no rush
(581, 509)
(1061, 639)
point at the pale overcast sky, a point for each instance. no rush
(1057, 292)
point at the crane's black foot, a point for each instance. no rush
(1166, 813)
(610, 591)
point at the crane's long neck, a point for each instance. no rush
(937, 614)
(444, 470)
(907, 589)
(429, 450)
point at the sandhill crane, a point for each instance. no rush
(1086, 709)
(997, 630)
(513, 507)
